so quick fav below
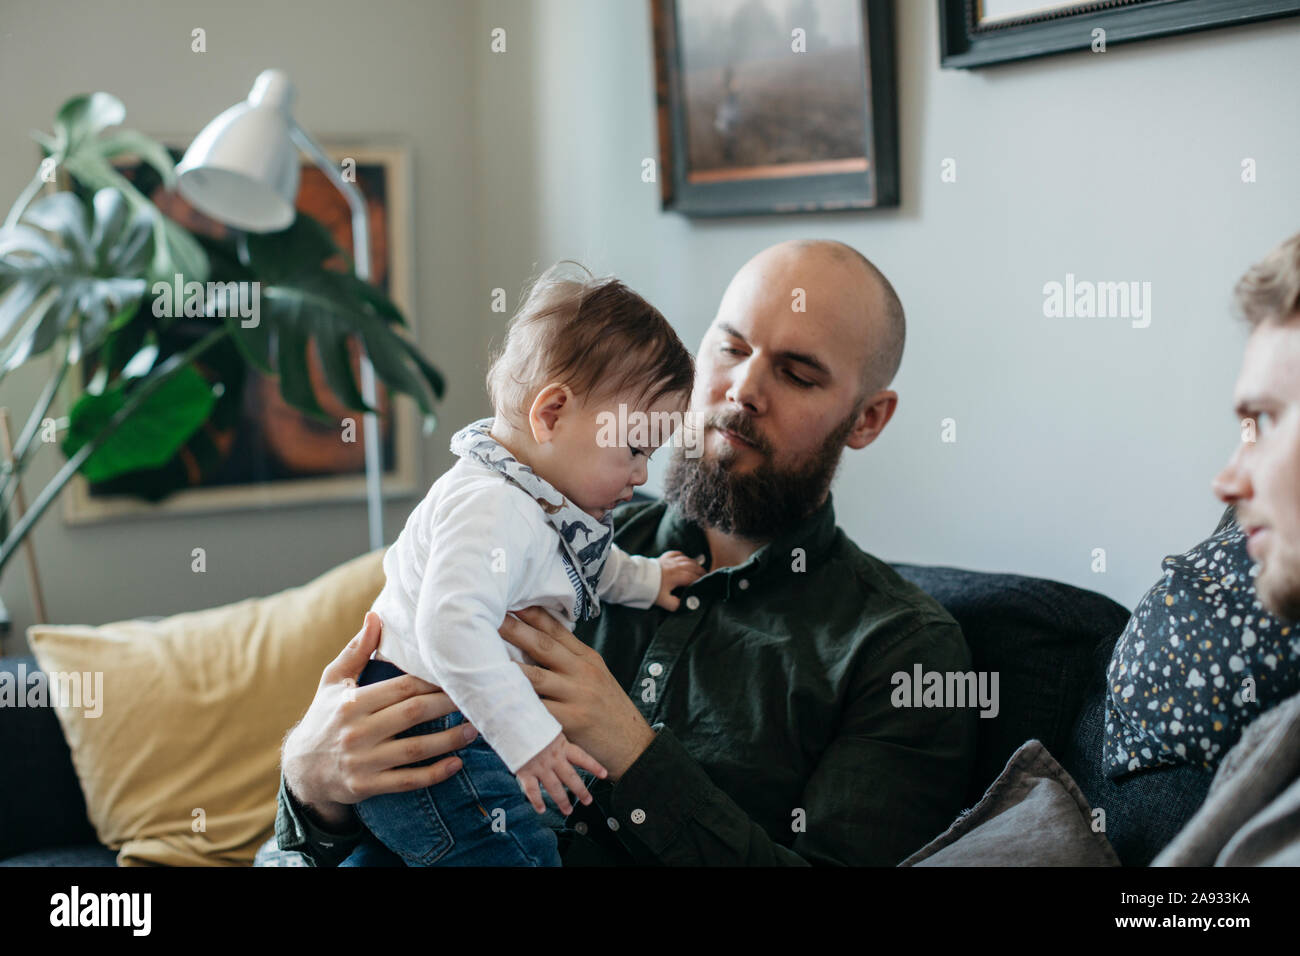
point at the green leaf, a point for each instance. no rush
(111, 213)
(150, 436)
(336, 357)
(151, 151)
(431, 374)
(85, 116)
(82, 294)
(64, 215)
(279, 257)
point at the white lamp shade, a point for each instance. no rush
(242, 169)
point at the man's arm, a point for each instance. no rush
(345, 750)
(891, 780)
(295, 830)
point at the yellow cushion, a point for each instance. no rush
(182, 765)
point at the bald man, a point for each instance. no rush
(757, 724)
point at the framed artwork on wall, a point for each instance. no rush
(773, 106)
(975, 33)
(257, 451)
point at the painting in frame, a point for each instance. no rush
(264, 452)
(976, 33)
(775, 106)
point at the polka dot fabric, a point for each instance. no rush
(1199, 660)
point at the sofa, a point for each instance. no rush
(1048, 642)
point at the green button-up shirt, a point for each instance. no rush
(770, 691)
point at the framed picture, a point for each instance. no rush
(980, 32)
(774, 106)
(258, 451)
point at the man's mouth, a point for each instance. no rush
(737, 440)
(1256, 537)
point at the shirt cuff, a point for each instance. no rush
(294, 830)
(660, 792)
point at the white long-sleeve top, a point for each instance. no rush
(473, 549)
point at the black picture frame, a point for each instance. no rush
(875, 186)
(965, 44)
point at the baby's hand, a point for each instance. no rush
(678, 570)
(552, 766)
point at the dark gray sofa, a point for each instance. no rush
(1049, 642)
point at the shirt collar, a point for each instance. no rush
(791, 552)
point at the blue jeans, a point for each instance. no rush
(478, 817)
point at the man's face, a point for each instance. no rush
(1263, 477)
(778, 392)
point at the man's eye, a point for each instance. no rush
(730, 351)
(802, 383)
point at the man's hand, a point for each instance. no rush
(553, 769)
(343, 750)
(676, 570)
(579, 691)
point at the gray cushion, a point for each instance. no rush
(1033, 815)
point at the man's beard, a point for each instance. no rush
(760, 504)
(1277, 585)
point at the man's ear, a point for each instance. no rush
(872, 419)
(545, 412)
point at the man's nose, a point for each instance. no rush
(1233, 483)
(746, 387)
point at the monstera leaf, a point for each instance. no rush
(152, 434)
(78, 146)
(65, 268)
(303, 301)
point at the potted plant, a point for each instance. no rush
(90, 273)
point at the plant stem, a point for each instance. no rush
(51, 491)
(15, 470)
(24, 199)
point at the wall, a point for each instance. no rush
(1072, 434)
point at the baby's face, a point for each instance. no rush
(600, 452)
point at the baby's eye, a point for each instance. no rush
(637, 451)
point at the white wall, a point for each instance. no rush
(1072, 434)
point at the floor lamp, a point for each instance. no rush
(242, 170)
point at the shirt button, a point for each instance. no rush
(613, 824)
(581, 828)
(638, 815)
(744, 584)
(655, 669)
(693, 602)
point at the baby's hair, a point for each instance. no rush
(595, 335)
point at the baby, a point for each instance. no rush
(523, 518)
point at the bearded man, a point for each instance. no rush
(754, 725)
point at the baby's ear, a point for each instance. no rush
(547, 407)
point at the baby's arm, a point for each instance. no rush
(640, 582)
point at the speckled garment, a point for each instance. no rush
(1178, 678)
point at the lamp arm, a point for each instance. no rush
(361, 258)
